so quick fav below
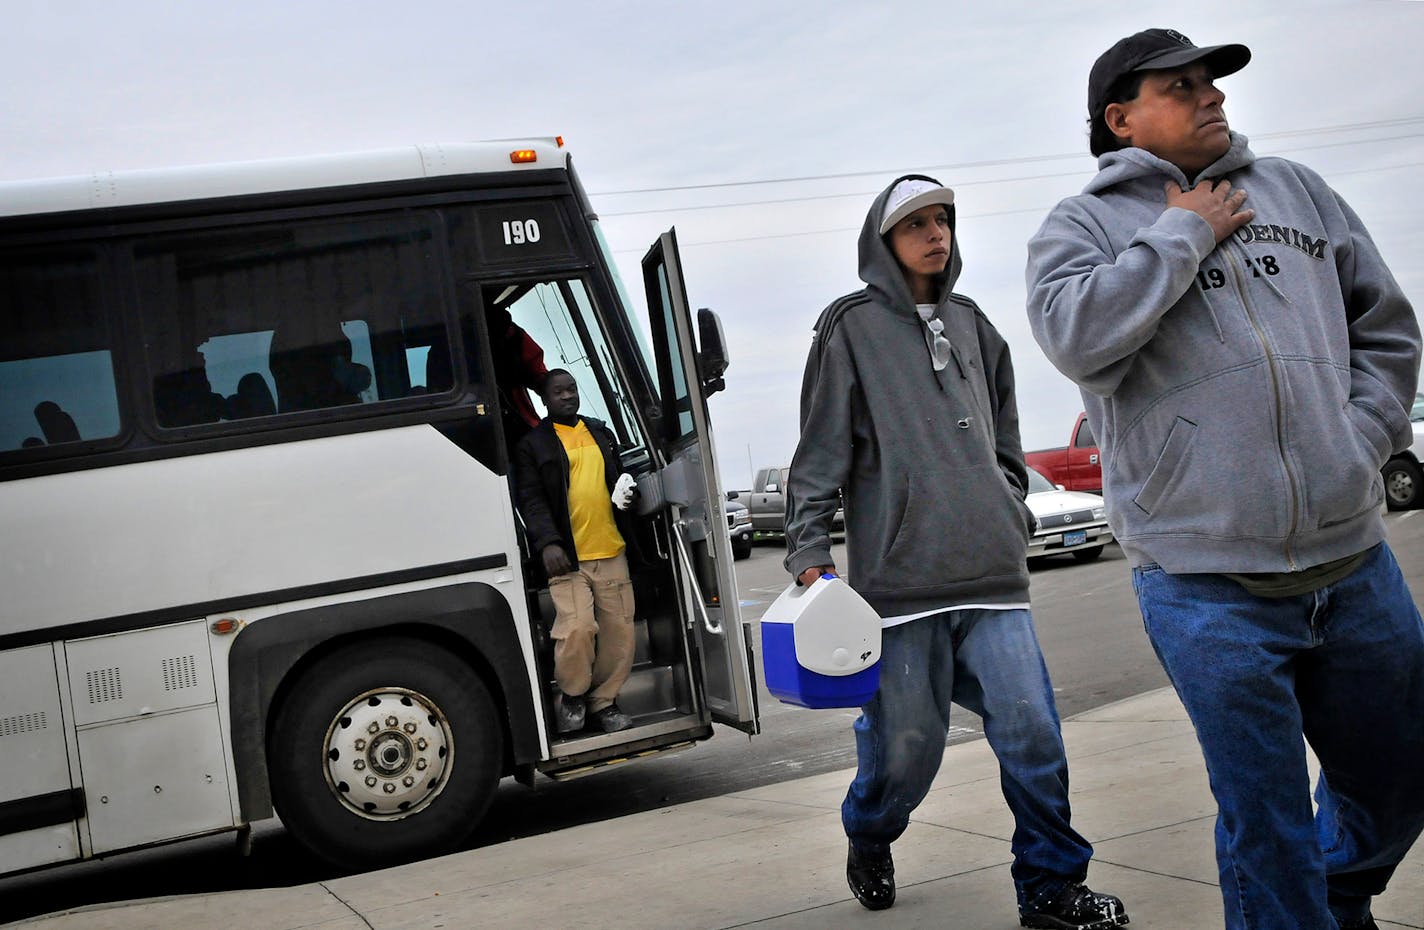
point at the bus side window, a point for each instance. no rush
(185, 397)
(274, 319)
(57, 382)
(314, 366)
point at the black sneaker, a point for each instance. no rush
(1076, 907)
(610, 719)
(569, 712)
(871, 878)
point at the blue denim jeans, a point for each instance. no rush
(1343, 668)
(989, 662)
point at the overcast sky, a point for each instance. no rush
(761, 131)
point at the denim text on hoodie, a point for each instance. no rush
(1244, 395)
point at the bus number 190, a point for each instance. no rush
(518, 232)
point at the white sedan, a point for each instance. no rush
(1065, 521)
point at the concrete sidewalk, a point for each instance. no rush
(775, 857)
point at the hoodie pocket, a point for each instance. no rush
(1344, 481)
(953, 525)
(1169, 464)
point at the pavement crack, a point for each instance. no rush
(346, 904)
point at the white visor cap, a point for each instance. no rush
(910, 195)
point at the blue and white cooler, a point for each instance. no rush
(820, 646)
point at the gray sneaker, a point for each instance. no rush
(569, 713)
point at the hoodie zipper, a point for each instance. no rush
(1239, 278)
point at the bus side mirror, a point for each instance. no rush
(712, 352)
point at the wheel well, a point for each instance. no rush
(422, 632)
(471, 620)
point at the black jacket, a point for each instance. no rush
(541, 482)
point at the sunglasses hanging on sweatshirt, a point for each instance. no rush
(939, 345)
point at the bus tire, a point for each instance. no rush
(384, 751)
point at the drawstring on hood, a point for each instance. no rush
(1134, 165)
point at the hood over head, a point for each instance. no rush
(879, 269)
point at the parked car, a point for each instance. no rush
(739, 527)
(768, 502)
(1065, 521)
(1077, 466)
(1403, 475)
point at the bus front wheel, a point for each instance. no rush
(384, 751)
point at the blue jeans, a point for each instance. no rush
(1342, 667)
(989, 662)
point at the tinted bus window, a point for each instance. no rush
(281, 319)
(56, 359)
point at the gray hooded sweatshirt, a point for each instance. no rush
(1245, 395)
(928, 462)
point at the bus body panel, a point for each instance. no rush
(35, 780)
(230, 527)
(201, 182)
(154, 778)
(151, 753)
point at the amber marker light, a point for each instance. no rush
(559, 141)
(225, 625)
(523, 156)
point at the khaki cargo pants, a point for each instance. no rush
(593, 629)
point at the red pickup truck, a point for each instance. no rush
(1076, 466)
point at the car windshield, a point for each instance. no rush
(1036, 482)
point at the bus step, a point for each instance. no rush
(603, 764)
(648, 690)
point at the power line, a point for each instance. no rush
(762, 203)
(987, 214)
(990, 163)
(962, 184)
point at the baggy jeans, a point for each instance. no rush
(593, 629)
(1343, 668)
(989, 662)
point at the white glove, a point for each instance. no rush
(624, 490)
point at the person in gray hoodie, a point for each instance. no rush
(908, 414)
(1248, 364)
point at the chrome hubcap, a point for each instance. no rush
(387, 753)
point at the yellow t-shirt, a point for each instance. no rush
(596, 536)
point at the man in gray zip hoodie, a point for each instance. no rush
(907, 412)
(1247, 372)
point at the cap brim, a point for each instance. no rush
(942, 195)
(1221, 59)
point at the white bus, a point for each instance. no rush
(258, 548)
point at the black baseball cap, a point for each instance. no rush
(1156, 50)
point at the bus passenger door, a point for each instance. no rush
(700, 547)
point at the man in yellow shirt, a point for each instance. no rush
(565, 471)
